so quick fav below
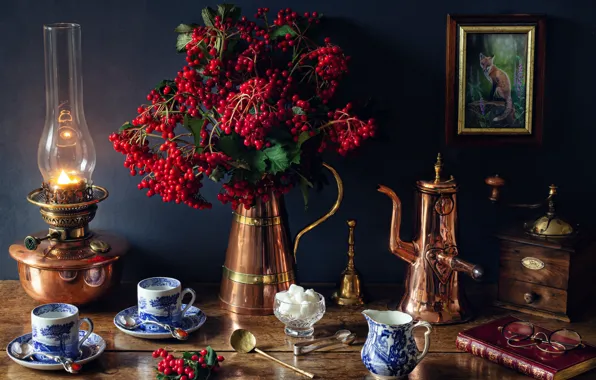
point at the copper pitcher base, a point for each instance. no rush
(244, 310)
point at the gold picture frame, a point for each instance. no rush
(529, 31)
(495, 79)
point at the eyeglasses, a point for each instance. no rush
(521, 334)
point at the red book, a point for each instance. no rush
(487, 342)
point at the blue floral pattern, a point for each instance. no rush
(159, 282)
(55, 308)
(193, 319)
(389, 350)
(92, 348)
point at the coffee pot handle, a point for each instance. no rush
(429, 329)
(340, 196)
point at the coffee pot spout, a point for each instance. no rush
(404, 250)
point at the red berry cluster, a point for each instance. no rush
(245, 193)
(248, 83)
(186, 368)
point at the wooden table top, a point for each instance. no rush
(130, 358)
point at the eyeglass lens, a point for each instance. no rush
(517, 331)
(566, 338)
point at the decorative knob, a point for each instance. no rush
(530, 297)
(99, 246)
(495, 182)
(32, 242)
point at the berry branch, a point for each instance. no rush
(252, 106)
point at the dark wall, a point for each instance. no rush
(398, 50)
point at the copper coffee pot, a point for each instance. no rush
(433, 292)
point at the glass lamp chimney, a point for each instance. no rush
(66, 154)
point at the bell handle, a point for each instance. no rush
(333, 210)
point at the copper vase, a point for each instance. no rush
(259, 259)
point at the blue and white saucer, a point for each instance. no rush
(192, 320)
(92, 348)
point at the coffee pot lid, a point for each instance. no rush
(438, 184)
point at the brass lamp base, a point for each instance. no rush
(70, 263)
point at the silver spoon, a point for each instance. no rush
(26, 351)
(341, 336)
(130, 323)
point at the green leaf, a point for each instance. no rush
(258, 161)
(280, 136)
(195, 125)
(230, 145)
(278, 159)
(211, 357)
(184, 28)
(217, 174)
(303, 137)
(208, 16)
(232, 45)
(164, 83)
(298, 111)
(282, 31)
(125, 126)
(294, 153)
(229, 10)
(183, 40)
(305, 185)
(187, 355)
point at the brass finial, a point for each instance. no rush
(552, 190)
(350, 289)
(438, 168)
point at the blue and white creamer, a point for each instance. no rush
(390, 351)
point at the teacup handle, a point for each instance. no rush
(429, 329)
(88, 332)
(192, 299)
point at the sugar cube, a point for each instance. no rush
(294, 289)
(299, 298)
(307, 309)
(284, 297)
(311, 296)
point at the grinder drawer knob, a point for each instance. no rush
(530, 297)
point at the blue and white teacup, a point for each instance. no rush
(160, 300)
(55, 330)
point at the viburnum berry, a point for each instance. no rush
(247, 97)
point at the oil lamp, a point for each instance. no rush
(70, 263)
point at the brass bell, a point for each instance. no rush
(350, 289)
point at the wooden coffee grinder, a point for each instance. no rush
(543, 263)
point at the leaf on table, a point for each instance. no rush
(211, 357)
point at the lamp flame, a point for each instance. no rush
(64, 179)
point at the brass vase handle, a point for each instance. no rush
(333, 210)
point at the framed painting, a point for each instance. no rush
(495, 79)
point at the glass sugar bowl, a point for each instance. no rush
(299, 310)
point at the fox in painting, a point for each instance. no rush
(501, 86)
